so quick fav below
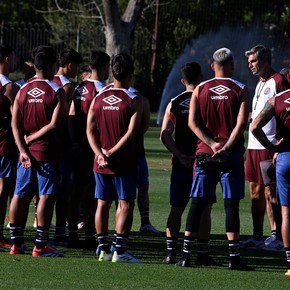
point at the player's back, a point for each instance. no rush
(37, 101)
(185, 139)
(220, 100)
(113, 111)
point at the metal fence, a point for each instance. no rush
(23, 37)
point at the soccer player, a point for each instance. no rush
(114, 119)
(83, 156)
(8, 150)
(218, 116)
(39, 111)
(183, 147)
(278, 107)
(263, 197)
(68, 62)
(142, 171)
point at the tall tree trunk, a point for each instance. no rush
(119, 30)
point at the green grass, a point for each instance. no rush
(80, 270)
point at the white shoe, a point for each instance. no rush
(274, 246)
(150, 229)
(126, 257)
(105, 257)
(252, 243)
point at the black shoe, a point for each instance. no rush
(184, 262)
(240, 265)
(206, 261)
(169, 259)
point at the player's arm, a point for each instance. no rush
(166, 138)
(242, 122)
(195, 122)
(134, 126)
(18, 133)
(94, 137)
(59, 115)
(260, 121)
(11, 90)
(69, 92)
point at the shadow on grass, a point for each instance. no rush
(151, 249)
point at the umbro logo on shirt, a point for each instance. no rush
(82, 90)
(185, 103)
(35, 93)
(111, 100)
(287, 101)
(220, 91)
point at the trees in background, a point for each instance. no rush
(129, 25)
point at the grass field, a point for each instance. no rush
(80, 270)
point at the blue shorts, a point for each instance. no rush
(232, 182)
(112, 187)
(42, 178)
(142, 171)
(283, 178)
(7, 166)
(180, 185)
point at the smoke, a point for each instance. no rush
(238, 40)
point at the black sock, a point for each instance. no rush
(41, 237)
(187, 244)
(103, 242)
(121, 243)
(234, 250)
(144, 215)
(16, 234)
(287, 252)
(171, 246)
(202, 248)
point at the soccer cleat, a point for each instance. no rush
(126, 257)
(46, 252)
(288, 273)
(5, 244)
(61, 241)
(98, 251)
(240, 265)
(169, 259)
(16, 250)
(275, 246)
(113, 248)
(206, 261)
(270, 239)
(105, 256)
(149, 229)
(184, 262)
(252, 243)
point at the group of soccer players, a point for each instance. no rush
(218, 111)
(52, 136)
(71, 146)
